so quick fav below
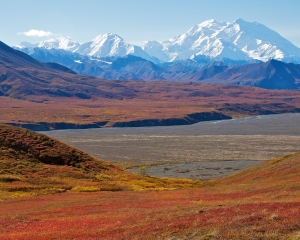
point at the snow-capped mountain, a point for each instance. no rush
(155, 49)
(102, 46)
(239, 40)
(213, 40)
(110, 45)
(271, 75)
(58, 43)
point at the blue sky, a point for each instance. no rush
(138, 20)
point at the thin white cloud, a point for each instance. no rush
(36, 33)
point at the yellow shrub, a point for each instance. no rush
(103, 177)
(86, 189)
(9, 178)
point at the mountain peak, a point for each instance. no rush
(209, 23)
(239, 20)
(107, 36)
(247, 24)
(64, 43)
(212, 20)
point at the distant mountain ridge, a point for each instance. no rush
(102, 46)
(271, 75)
(239, 41)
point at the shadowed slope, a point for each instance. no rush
(271, 75)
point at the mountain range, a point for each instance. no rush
(240, 52)
(272, 74)
(238, 40)
(45, 96)
(102, 46)
(24, 77)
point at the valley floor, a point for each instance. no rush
(206, 150)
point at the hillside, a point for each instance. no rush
(32, 163)
(281, 173)
(261, 202)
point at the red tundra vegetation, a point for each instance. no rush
(152, 100)
(261, 202)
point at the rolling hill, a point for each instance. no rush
(32, 163)
(260, 202)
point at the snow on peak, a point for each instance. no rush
(239, 40)
(210, 23)
(106, 45)
(110, 45)
(59, 43)
(156, 48)
(239, 21)
(103, 45)
(207, 26)
(107, 36)
(27, 45)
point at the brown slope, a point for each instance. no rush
(20, 143)
(209, 72)
(58, 67)
(23, 77)
(12, 58)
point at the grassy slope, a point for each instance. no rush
(32, 163)
(261, 202)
